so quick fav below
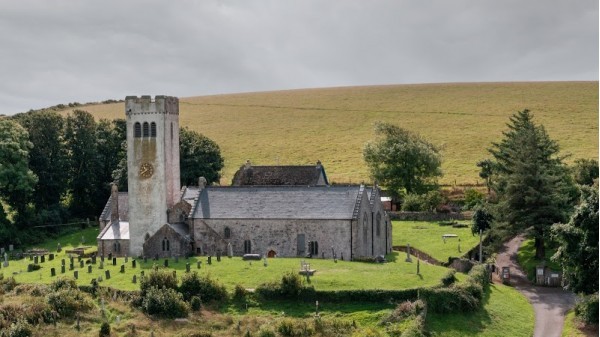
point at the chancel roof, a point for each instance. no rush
(277, 202)
(249, 175)
(115, 231)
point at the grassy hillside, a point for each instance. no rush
(333, 124)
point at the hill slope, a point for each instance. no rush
(333, 124)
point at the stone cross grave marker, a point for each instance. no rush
(408, 259)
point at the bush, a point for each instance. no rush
(203, 286)
(7, 284)
(449, 278)
(63, 283)
(104, 330)
(266, 332)
(69, 301)
(159, 279)
(35, 290)
(586, 309)
(414, 203)
(164, 302)
(19, 328)
(404, 310)
(291, 285)
(195, 303)
(290, 328)
(239, 293)
(473, 198)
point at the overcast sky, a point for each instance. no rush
(59, 51)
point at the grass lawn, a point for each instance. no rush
(397, 274)
(506, 313)
(296, 127)
(528, 261)
(427, 237)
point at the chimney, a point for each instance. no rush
(114, 203)
(248, 164)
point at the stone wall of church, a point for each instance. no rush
(284, 238)
(166, 243)
(116, 247)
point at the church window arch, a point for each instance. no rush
(117, 247)
(137, 130)
(378, 224)
(227, 233)
(365, 229)
(165, 245)
(313, 248)
(247, 247)
(153, 129)
(146, 129)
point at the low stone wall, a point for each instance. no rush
(421, 255)
(428, 216)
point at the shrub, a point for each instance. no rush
(266, 332)
(19, 328)
(63, 283)
(164, 302)
(7, 284)
(290, 328)
(239, 293)
(104, 330)
(449, 278)
(35, 290)
(404, 310)
(414, 203)
(586, 309)
(203, 286)
(195, 303)
(291, 285)
(473, 198)
(157, 278)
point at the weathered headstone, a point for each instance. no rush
(209, 260)
(408, 259)
(166, 263)
(81, 264)
(71, 259)
(93, 259)
(101, 265)
(342, 256)
(133, 263)
(218, 256)
(134, 280)
(102, 257)
(122, 268)
(30, 257)
(90, 268)
(62, 262)
(187, 267)
(79, 258)
(42, 258)
(11, 248)
(35, 259)
(107, 274)
(110, 256)
(76, 274)
(229, 250)
(114, 259)
(52, 272)
(5, 260)
(71, 266)
(58, 247)
(51, 257)
(62, 269)
(199, 264)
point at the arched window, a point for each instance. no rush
(146, 129)
(247, 247)
(117, 247)
(152, 129)
(137, 130)
(378, 224)
(165, 245)
(227, 233)
(365, 229)
(313, 247)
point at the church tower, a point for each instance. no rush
(152, 164)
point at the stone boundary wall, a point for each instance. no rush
(420, 254)
(428, 216)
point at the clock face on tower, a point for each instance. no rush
(146, 170)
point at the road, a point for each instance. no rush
(549, 304)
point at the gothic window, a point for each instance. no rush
(137, 130)
(247, 247)
(313, 246)
(365, 229)
(227, 233)
(378, 224)
(117, 247)
(152, 129)
(165, 245)
(146, 129)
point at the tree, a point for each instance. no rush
(84, 165)
(17, 181)
(532, 184)
(112, 150)
(402, 161)
(199, 157)
(482, 219)
(578, 239)
(486, 172)
(585, 171)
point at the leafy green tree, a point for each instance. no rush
(84, 165)
(402, 161)
(533, 186)
(112, 150)
(48, 160)
(578, 239)
(199, 157)
(17, 181)
(482, 219)
(585, 171)
(486, 172)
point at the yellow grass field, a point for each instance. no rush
(333, 124)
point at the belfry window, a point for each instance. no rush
(146, 129)
(152, 129)
(137, 130)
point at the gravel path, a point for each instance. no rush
(550, 304)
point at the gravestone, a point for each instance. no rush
(114, 259)
(342, 256)
(199, 264)
(35, 259)
(122, 268)
(134, 280)
(52, 272)
(90, 269)
(156, 257)
(71, 266)
(30, 257)
(2, 250)
(51, 257)
(71, 259)
(126, 259)
(76, 274)
(102, 258)
(265, 261)
(229, 250)
(94, 259)
(58, 247)
(408, 259)
(110, 256)
(107, 274)
(142, 273)
(79, 258)
(209, 260)
(5, 260)
(133, 263)
(42, 258)
(187, 267)
(62, 262)
(218, 256)
(81, 264)
(166, 263)
(62, 269)
(101, 266)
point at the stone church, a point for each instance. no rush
(284, 211)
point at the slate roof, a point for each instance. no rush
(277, 202)
(279, 175)
(123, 208)
(115, 231)
(181, 229)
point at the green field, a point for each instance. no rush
(427, 237)
(333, 124)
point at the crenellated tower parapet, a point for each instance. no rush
(146, 105)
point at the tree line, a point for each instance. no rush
(56, 169)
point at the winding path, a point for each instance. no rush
(549, 304)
